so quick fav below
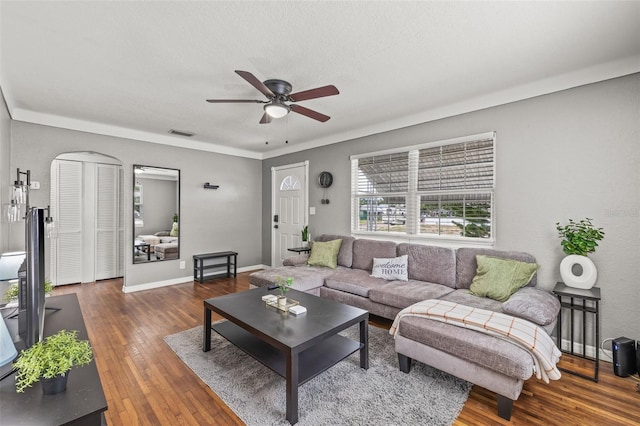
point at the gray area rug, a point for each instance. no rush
(343, 395)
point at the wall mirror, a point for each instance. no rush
(156, 214)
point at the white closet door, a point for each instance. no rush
(67, 211)
(107, 229)
(121, 252)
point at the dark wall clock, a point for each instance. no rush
(325, 179)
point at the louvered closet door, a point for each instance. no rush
(67, 203)
(107, 229)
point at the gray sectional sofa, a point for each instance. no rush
(433, 273)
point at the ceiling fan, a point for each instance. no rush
(278, 92)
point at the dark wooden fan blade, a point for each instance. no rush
(309, 113)
(253, 80)
(266, 119)
(229, 101)
(318, 92)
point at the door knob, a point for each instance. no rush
(275, 226)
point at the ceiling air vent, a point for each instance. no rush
(181, 133)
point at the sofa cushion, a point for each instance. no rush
(485, 350)
(345, 255)
(324, 253)
(304, 278)
(365, 250)
(297, 260)
(464, 297)
(466, 264)
(533, 304)
(390, 268)
(401, 294)
(498, 278)
(431, 264)
(354, 281)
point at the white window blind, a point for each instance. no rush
(441, 190)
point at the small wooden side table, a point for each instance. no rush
(577, 302)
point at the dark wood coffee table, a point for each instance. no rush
(297, 348)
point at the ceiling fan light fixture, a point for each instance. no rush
(276, 109)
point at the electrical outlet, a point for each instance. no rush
(183, 264)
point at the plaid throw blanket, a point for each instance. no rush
(521, 332)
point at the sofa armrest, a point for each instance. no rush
(533, 304)
(298, 260)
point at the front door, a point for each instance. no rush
(289, 207)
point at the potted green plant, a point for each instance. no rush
(284, 285)
(305, 236)
(174, 228)
(579, 239)
(11, 294)
(50, 361)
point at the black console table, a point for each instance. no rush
(199, 266)
(83, 403)
(582, 296)
(300, 249)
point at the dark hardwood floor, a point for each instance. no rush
(146, 383)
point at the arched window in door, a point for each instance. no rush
(290, 183)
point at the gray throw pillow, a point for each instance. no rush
(532, 304)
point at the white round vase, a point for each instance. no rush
(589, 275)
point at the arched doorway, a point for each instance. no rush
(87, 202)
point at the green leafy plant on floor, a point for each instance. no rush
(12, 291)
(284, 285)
(55, 356)
(579, 237)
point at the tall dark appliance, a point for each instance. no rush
(624, 356)
(31, 293)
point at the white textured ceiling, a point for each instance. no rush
(138, 69)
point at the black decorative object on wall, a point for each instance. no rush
(207, 185)
(325, 180)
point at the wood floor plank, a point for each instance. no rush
(145, 383)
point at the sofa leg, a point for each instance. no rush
(504, 407)
(405, 363)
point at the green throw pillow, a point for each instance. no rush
(324, 253)
(498, 278)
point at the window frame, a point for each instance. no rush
(413, 195)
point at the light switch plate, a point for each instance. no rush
(312, 210)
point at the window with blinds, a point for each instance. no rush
(440, 190)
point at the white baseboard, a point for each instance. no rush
(156, 284)
(180, 280)
(253, 268)
(590, 351)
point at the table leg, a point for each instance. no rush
(364, 342)
(292, 387)
(206, 333)
(228, 265)
(235, 265)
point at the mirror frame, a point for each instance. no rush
(133, 218)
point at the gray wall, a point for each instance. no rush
(571, 154)
(225, 219)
